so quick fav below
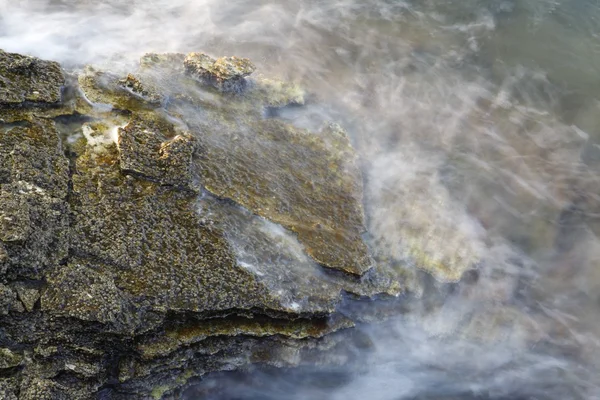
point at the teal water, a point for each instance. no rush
(492, 106)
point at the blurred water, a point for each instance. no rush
(478, 126)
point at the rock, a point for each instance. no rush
(150, 238)
(30, 79)
(190, 334)
(38, 231)
(168, 62)
(177, 233)
(3, 253)
(146, 92)
(414, 218)
(306, 182)
(28, 296)
(8, 389)
(81, 292)
(152, 149)
(9, 359)
(105, 91)
(7, 299)
(225, 74)
(33, 154)
(280, 262)
(277, 94)
(34, 213)
(42, 389)
(14, 216)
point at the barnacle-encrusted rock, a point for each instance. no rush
(153, 238)
(33, 209)
(153, 149)
(7, 298)
(121, 276)
(225, 73)
(27, 295)
(24, 78)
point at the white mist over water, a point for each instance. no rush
(478, 125)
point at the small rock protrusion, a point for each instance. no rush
(141, 89)
(7, 299)
(14, 217)
(147, 152)
(28, 296)
(24, 78)
(226, 74)
(3, 253)
(9, 359)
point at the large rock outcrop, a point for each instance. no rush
(163, 227)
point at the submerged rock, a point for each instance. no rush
(414, 218)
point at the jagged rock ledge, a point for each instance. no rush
(179, 231)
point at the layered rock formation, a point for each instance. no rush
(158, 226)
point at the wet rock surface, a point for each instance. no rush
(168, 229)
(225, 74)
(24, 78)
